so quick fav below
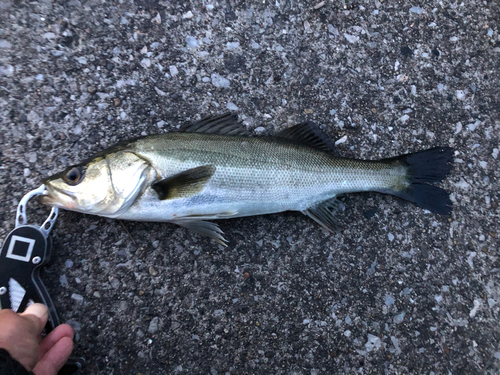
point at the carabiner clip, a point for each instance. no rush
(21, 218)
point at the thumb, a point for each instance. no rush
(38, 315)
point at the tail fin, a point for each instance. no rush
(423, 167)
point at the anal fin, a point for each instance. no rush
(324, 213)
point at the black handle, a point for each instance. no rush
(23, 254)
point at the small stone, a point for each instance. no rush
(246, 275)
(494, 153)
(173, 70)
(399, 318)
(308, 111)
(154, 325)
(470, 258)
(232, 45)
(91, 89)
(389, 300)
(416, 10)
(82, 60)
(192, 42)
(97, 294)
(116, 102)
(110, 66)
(26, 172)
(68, 264)
(307, 26)
(122, 306)
(6, 70)
(347, 333)
(153, 271)
(460, 94)
(231, 106)
(63, 280)
(32, 157)
(333, 30)
(4, 44)
(77, 297)
(188, 15)
(160, 92)
(306, 321)
(390, 236)
(219, 81)
(477, 305)
(145, 63)
(351, 38)
(260, 130)
(372, 343)
(341, 140)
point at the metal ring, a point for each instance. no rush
(21, 218)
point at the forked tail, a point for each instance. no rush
(423, 168)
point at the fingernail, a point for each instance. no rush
(39, 310)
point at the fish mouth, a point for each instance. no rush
(54, 196)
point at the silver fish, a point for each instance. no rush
(212, 170)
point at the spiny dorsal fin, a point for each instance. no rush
(226, 124)
(205, 228)
(308, 134)
(323, 213)
(184, 184)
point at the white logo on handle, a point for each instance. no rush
(10, 252)
(16, 293)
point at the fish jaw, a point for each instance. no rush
(53, 196)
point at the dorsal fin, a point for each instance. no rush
(184, 184)
(226, 124)
(308, 134)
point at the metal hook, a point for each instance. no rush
(48, 224)
(21, 218)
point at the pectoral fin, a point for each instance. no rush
(324, 213)
(184, 184)
(205, 228)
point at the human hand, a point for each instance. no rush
(20, 336)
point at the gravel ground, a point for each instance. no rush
(397, 290)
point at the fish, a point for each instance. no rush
(215, 169)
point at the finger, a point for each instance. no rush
(55, 358)
(38, 314)
(53, 337)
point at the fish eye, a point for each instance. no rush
(74, 176)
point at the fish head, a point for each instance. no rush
(106, 185)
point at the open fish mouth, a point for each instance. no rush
(47, 199)
(54, 196)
